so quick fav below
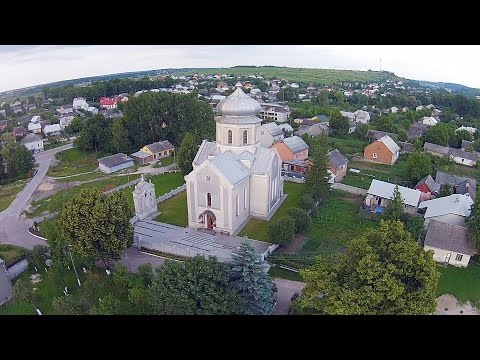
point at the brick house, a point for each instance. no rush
(294, 154)
(384, 151)
(337, 164)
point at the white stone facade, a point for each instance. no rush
(144, 199)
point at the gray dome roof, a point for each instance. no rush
(238, 104)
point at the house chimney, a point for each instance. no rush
(467, 185)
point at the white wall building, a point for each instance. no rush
(80, 103)
(234, 178)
(453, 209)
(430, 121)
(35, 128)
(470, 129)
(270, 133)
(274, 112)
(33, 142)
(51, 130)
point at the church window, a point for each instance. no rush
(244, 198)
(209, 199)
(245, 136)
(238, 206)
(229, 136)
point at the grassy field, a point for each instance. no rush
(11, 253)
(348, 147)
(163, 184)
(166, 161)
(55, 202)
(9, 192)
(320, 76)
(457, 169)
(174, 210)
(258, 229)
(394, 174)
(336, 223)
(463, 283)
(73, 161)
(84, 177)
(358, 180)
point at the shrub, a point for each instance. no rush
(281, 231)
(307, 203)
(302, 220)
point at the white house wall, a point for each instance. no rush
(451, 219)
(35, 146)
(440, 255)
(463, 161)
(259, 194)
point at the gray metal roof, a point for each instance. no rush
(286, 127)
(469, 144)
(295, 143)
(233, 170)
(323, 118)
(428, 180)
(416, 130)
(273, 128)
(463, 154)
(385, 190)
(457, 204)
(437, 149)
(160, 146)
(206, 149)
(140, 155)
(462, 185)
(390, 144)
(377, 134)
(238, 104)
(114, 160)
(337, 159)
(29, 138)
(449, 237)
(263, 157)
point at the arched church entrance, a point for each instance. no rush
(208, 219)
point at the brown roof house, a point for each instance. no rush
(383, 150)
(153, 152)
(449, 243)
(337, 164)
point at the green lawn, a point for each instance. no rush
(393, 174)
(347, 147)
(163, 184)
(55, 202)
(336, 223)
(320, 76)
(84, 177)
(74, 161)
(11, 253)
(174, 210)
(358, 180)
(463, 283)
(460, 170)
(276, 272)
(9, 192)
(166, 161)
(258, 229)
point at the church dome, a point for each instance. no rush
(238, 104)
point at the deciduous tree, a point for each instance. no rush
(419, 165)
(281, 231)
(303, 221)
(186, 153)
(394, 208)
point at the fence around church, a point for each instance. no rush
(171, 193)
(124, 186)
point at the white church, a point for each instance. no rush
(234, 178)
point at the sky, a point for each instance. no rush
(29, 65)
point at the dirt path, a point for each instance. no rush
(296, 244)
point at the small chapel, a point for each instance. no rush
(234, 178)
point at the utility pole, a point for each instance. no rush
(74, 268)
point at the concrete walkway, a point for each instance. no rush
(286, 289)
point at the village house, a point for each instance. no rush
(66, 121)
(428, 187)
(453, 209)
(449, 243)
(338, 164)
(313, 130)
(79, 103)
(361, 116)
(436, 113)
(17, 109)
(416, 130)
(35, 119)
(270, 133)
(384, 151)
(52, 130)
(3, 125)
(275, 112)
(394, 109)
(35, 128)
(377, 134)
(457, 184)
(113, 163)
(456, 155)
(294, 154)
(108, 103)
(153, 152)
(93, 110)
(429, 121)
(19, 131)
(470, 129)
(33, 142)
(286, 128)
(380, 193)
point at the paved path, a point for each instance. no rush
(13, 227)
(286, 289)
(134, 258)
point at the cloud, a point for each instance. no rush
(28, 65)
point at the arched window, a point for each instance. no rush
(245, 136)
(209, 199)
(229, 136)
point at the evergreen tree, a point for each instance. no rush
(394, 209)
(249, 275)
(473, 223)
(316, 182)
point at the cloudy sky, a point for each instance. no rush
(22, 66)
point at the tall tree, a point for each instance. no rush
(440, 134)
(75, 127)
(383, 272)
(186, 153)
(97, 225)
(119, 141)
(197, 286)
(316, 182)
(473, 223)
(249, 275)
(419, 165)
(338, 123)
(394, 209)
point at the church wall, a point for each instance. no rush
(259, 190)
(205, 186)
(243, 211)
(237, 134)
(276, 177)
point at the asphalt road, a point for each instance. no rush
(13, 228)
